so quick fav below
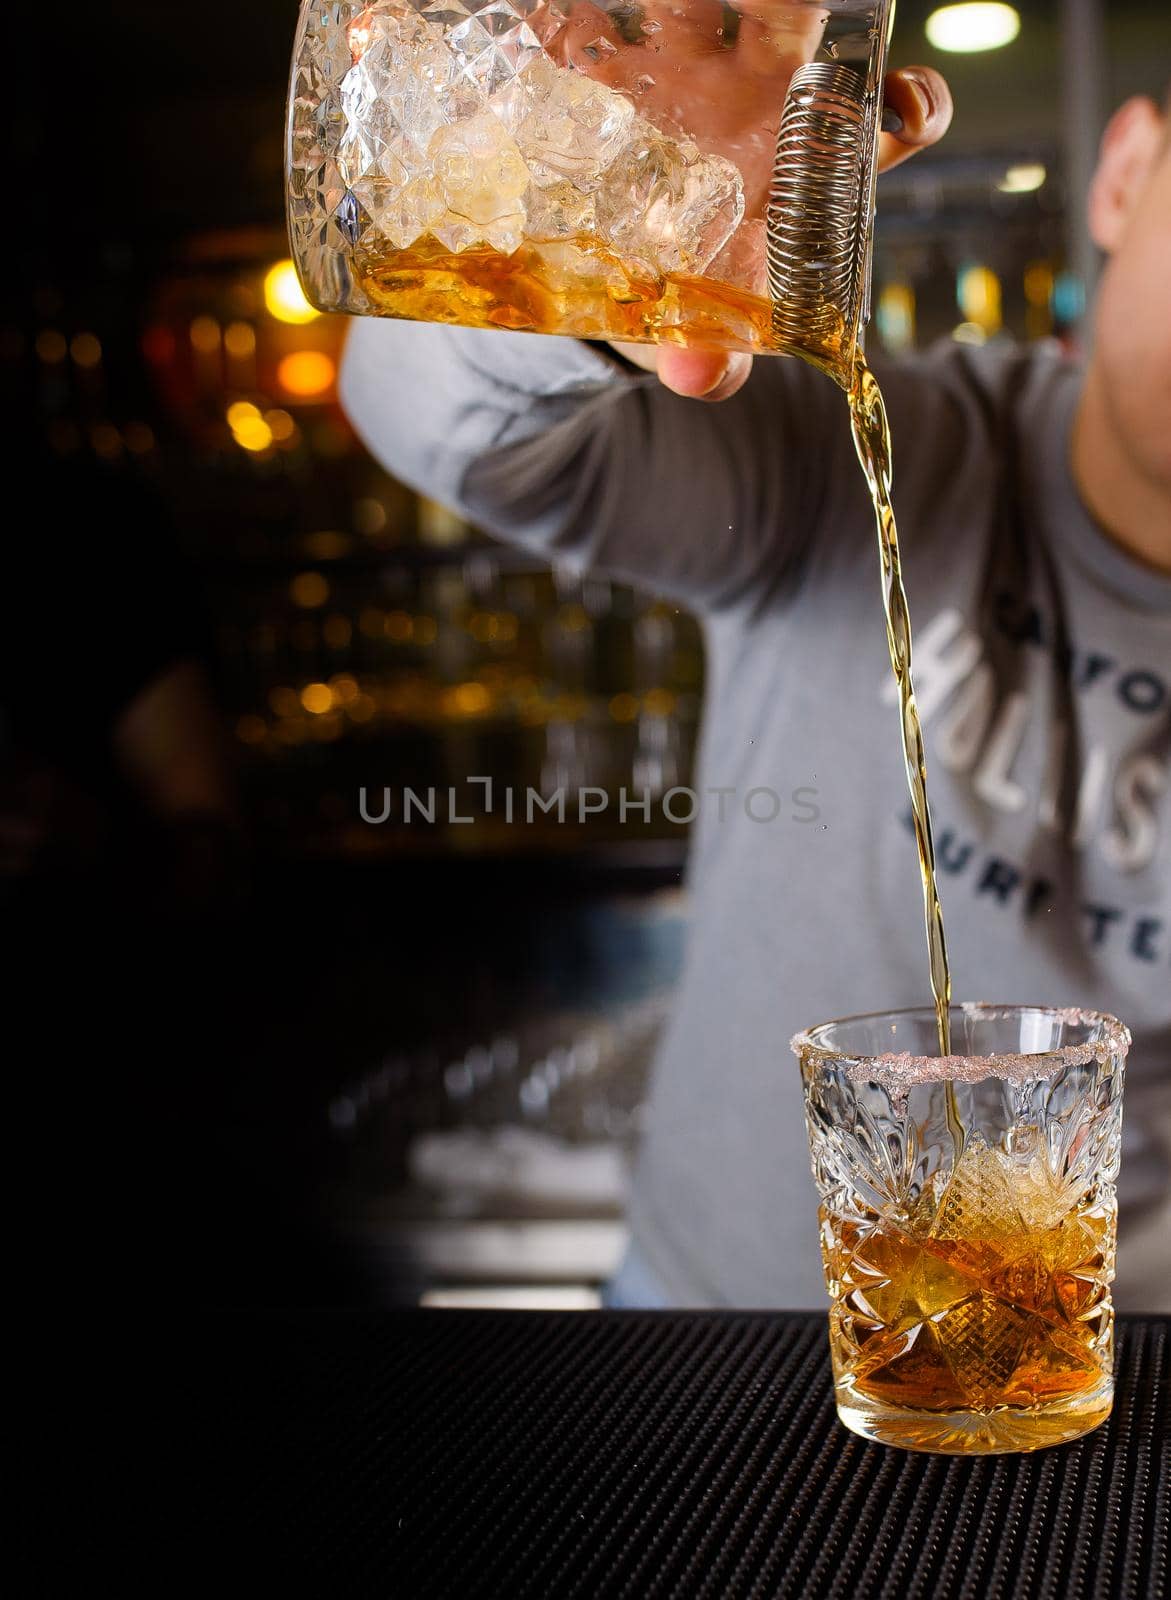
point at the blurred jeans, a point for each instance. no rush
(633, 1287)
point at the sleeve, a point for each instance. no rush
(549, 443)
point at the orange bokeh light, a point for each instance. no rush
(306, 373)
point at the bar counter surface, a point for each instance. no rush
(492, 1453)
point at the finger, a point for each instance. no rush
(703, 374)
(645, 356)
(920, 101)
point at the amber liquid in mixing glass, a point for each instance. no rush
(580, 286)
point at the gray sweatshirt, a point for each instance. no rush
(1043, 668)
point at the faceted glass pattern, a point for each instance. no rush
(545, 163)
(967, 1233)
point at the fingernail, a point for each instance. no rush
(716, 384)
(921, 92)
(731, 378)
(891, 121)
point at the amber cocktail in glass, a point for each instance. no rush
(968, 1221)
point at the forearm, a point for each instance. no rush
(553, 444)
(431, 402)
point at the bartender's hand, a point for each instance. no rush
(918, 97)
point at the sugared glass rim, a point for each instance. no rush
(1114, 1039)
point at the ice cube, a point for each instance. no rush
(403, 212)
(566, 126)
(982, 1339)
(663, 201)
(420, 150)
(453, 121)
(559, 212)
(403, 86)
(978, 1203)
(492, 40)
(1041, 1198)
(744, 259)
(479, 172)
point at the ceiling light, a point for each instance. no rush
(1023, 179)
(975, 25)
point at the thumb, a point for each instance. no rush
(703, 374)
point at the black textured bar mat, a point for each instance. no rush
(466, 1453)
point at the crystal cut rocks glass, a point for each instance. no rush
(692, 171)
(967, 1209)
